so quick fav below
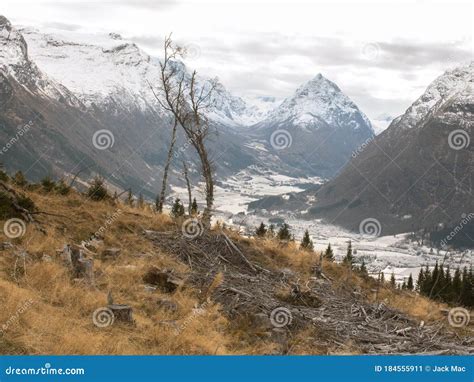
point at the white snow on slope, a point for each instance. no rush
(318, 100)
(97, 66)
(459, 80)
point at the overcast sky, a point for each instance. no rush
(382, 54)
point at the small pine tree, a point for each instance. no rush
(97, 190)
(329, 254)
(410, 282)
(307, 243)
(47, 184)
(19, 179)
(420, 281)
(349, 258)
(363, 269)
(404, 285)
(382, 278)
(284, 232)
(393, 282)
(178, 208)
(261, 231)
(194, 207)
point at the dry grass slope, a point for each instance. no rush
(45, 311)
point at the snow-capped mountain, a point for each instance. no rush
(321, 125)
(317, 102)
(419, 173)
(101, 69)
(452, 82)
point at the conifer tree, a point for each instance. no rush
(177, 209)
(284, 232)
(419, 282)
(349, 258)
(307, 243)
(393, 282)
(410, 282)
(194, 207)
(456, 286)
(261, 231)
(329, 254)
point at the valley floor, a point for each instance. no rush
(396, 254)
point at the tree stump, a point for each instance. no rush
(81, 268)
(122, 313)
(165, 280)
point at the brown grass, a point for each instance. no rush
(45, 312)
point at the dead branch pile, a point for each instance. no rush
(341, 315)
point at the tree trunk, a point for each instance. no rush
(188, 185)
(207, 173)
(167, 166)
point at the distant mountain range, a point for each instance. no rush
(74, 88)
(418, 174)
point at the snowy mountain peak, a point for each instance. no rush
(319, 101)
(14, 49)
(456, 82)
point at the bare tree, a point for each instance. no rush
(161, 198)
(187, 103)
(188, 185)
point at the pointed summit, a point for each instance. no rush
(320, 102)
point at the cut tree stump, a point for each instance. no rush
(122, 313)
(165, 280)
(80, 266)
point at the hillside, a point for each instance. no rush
(192, 291)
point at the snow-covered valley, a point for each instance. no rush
(397, 254)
